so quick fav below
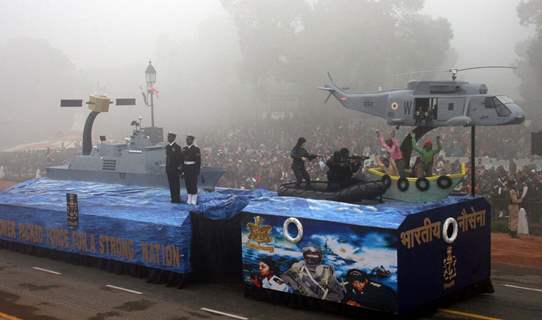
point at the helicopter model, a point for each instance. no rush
(426, 105)
(433, 104)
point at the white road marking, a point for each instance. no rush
(523, 288)
(224, 314)
(47, 270)
(123, 289)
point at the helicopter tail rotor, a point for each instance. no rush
(328, 89)
(331, 87)
(328, 96)
(330, 78)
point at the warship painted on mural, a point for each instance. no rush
(139, 161)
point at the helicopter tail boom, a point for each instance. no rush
(331, 87)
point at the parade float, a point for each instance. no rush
(394, 256)
(409, 252)
(108, 206)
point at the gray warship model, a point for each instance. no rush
(139, 161)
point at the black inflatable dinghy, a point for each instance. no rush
(363, 190)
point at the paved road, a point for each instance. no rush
(81, 293)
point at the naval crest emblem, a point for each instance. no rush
(259, 234)
(449, 269)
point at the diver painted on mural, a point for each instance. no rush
(311, 278)
(266, 277)
(362, 292)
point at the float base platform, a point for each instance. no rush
(127, 229)
(394, 257)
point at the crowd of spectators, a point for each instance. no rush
(495, 183)
(22, 165)
(258, 155)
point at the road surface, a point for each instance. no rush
(41, 288)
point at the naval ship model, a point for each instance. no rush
(139, 161)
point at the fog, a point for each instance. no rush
(485, 33)
(220, 61)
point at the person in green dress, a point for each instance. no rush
(426, 156)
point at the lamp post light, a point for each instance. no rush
(150, 77)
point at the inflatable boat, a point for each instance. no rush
(418, 189)
(362, 190)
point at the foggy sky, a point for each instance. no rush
(485, 33)
(110, 43)
(104, 33)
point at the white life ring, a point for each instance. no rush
(445, 226)
(299, 227)
(394, 106)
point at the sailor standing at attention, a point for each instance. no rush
(191, 168)
(174, 162)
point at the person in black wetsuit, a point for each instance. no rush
(174, 163)
(342, 168)
(333, 165)
(298, 155)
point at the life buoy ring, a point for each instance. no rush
(387, 181)
(422, 184)
(444, 182)
(403, 184)
(449, 239)
(287, 234)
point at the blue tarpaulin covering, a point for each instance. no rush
(153, 205)
(120, 201)
(139, 224)
(126, 223)
(389, 214)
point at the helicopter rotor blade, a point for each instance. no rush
(330, 78)
(486, 67)
(421, 72)
(328, 96)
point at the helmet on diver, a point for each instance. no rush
(356, 274)
(312, 255)
(345, 152)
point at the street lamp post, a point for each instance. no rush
(150, 77)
